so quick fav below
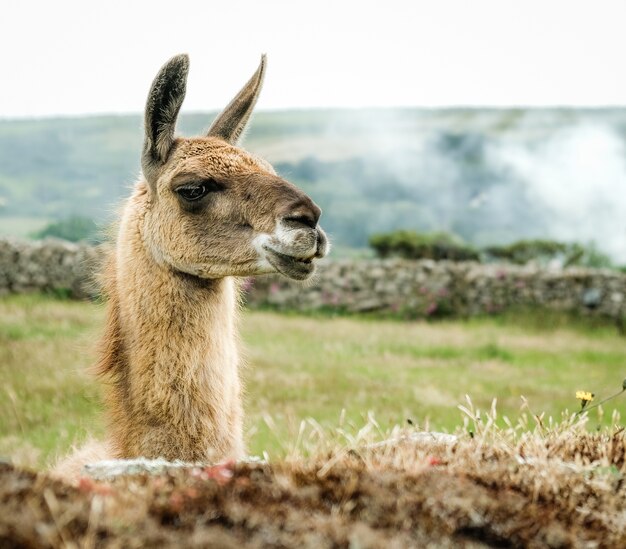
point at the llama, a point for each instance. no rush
(203, 213)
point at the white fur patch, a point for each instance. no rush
(284, 241)
(259, 242)
(284, 235)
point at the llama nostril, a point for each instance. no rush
(302, 219)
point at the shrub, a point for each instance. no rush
(590, 256)
(441, 245)
(544, 251)
(413, 245)
(73, 228)
(524, 251)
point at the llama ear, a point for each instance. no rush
(231, 122)
(164, 101)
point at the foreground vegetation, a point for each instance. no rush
(331, 369)
(551, 486)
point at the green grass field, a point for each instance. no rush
(301, 367)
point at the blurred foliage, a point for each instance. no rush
(545, 251)
(371, 171)
(412, 245)
(525, 251)
(440, 245)
(590, 256)
(58, 167)
(74, 229)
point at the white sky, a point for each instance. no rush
(76, 57)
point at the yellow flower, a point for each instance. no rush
(585, 398)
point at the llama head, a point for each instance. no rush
(213, 209)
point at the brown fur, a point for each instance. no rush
(169, 354)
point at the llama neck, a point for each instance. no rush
(176, 390)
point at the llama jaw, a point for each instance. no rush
(292, 252)
(290, 266)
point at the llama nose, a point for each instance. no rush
(306, 214)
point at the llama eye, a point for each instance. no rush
(196, 192)
(192, 193)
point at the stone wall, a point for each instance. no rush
(428, 288)
(49, 265)
(413, 288)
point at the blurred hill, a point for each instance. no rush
(488, 175)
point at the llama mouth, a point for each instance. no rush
(296, 268)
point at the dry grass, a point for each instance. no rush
(549, 486)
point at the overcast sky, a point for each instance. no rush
(76, 57)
